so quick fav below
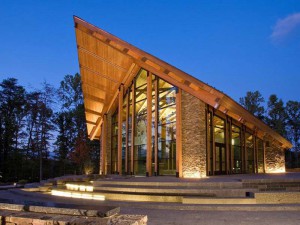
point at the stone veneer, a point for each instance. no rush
(274, 159)
(193, 136)
(108, 146)
(108, 143)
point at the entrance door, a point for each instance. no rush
(220, 166)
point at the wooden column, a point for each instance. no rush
(255, 159)
(156, 126)
(126, 133)
(103, 145)
(121, 91)
(132, 129)
(213, 142)
(228, 144)
(178, 134)
(243, 146)
(149, 125)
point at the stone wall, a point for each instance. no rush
(108, 143)
(193, 137)
(274, 159)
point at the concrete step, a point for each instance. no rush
(120, 196)
(278, 197)
(218, 201)
(215, 185)
(234, 192)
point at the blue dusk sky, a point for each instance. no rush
(235, 46)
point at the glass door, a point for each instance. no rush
(220, 164)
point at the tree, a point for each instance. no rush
(12, 111)
(72, 137)
(252, 102)
(293, 123)
(276, 115)
(39, 125)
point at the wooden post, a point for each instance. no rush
(132, 128)
(156, 126)
(149, 125)
(178, 134)
(126, 133)
(207, 140)
(103, 145)
(213, 142)
(121, 90)
(228, 144)
(255, 159)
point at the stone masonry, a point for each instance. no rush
(193, 137)
(274, 159)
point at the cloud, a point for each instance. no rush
(285, 26)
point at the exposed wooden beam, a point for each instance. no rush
(133, 131)
(93, 98)
(90, 122)
(93, 112)
(96, 128)
(104, 144)
(120, 118)
(156, 126)
(178, 134)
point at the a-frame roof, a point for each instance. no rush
(106, 62)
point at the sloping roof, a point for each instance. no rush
(106, 62)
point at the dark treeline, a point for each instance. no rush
(43, 132)
(282, 117)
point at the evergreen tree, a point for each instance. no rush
(276, 115)
(253, 103)
(12, 111)
(293, 123)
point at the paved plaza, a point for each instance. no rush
(175, 213)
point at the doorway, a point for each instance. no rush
(220, 163)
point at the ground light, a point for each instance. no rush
(71, 194)
(77, 187)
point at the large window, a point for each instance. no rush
(134, 124)
(166, 128)
(260, 156)
(140, 134)
(249, 153)
(220, 147)
(236, 150)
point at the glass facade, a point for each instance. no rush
(230, 148)
(163, 126)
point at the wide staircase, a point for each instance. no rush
(175, 190)
(180, 192)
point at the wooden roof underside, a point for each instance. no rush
(106, 62)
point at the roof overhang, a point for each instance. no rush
(107, 62)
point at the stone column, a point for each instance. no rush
(193, 137)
